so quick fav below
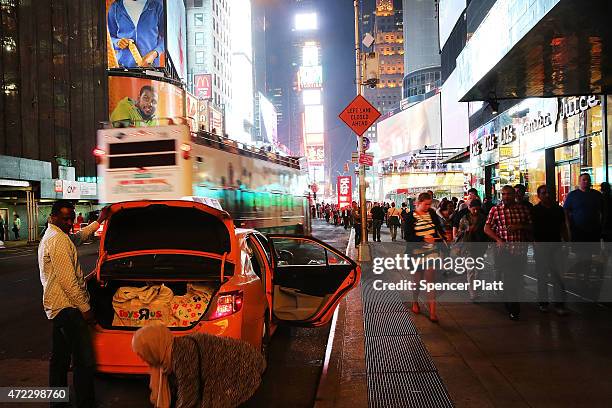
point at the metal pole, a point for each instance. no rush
(364, 248)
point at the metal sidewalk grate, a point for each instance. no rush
(401, 390)
(385, 307)
(393, 354)
(388, 324)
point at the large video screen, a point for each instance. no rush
(142, 102)
(411, 129)
(268, 120)
(136, 33)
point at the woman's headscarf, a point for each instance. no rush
(153, 343)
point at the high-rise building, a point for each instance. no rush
(209, 47)
(389, 51)
(422, 54)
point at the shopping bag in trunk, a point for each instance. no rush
(136, 307)
(189, 308)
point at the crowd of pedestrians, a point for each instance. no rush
(514, 223)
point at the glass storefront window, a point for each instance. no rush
(592, 158)
(533, 168)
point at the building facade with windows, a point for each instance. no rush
(209, 47)
(422, 56)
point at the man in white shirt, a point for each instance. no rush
(66, 301)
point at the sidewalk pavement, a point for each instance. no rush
(16, 244)
(481, 358)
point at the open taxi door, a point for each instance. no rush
(309, 279)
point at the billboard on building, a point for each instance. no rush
(136, 34)
(176, 38)
(143, 102)
(216, 121)
(191, 111)
(411, 129)
(450, 11)
(202, 86)
(455, 119)
(268, 120)
(311, 77)
(345, 191)
(315, 154)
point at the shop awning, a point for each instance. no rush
(567, 52)
(461, 157)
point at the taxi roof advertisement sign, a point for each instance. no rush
(345, 191)
(136, 34)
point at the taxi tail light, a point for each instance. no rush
(225, 304)
(186, 149)
(99, 154)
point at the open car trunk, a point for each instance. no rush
(129, 305)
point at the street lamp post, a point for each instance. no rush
(364, 247)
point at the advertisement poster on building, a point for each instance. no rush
(176, 38)
(136, 31)
(216, 121)
(345, 191)
(268, 120)
(142, 102)
(315, 154)
(191, 110)
(202, 86)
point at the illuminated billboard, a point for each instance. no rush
(315, 154)
(313, 119)
(306, 21)
(311, 77)
(310, 55)
(311, 96)
(202, 86)
(345, 191)
(176, 39)
(136, 35)
(314, 138)
(411, 129)
(142, 102)
(268, 120)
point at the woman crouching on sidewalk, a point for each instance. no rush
(198, 370)
(423, 226)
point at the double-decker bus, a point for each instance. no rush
(260, 189)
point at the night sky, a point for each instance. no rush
(336, 30)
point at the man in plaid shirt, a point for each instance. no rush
(510, 222)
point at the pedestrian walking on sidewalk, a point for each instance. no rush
(378, 216)
(403, 214)
(460, 213)
(606, 195)
(1, 228)
(521, 195)
(435, 203)
(549, 229)
(198, 370)
(470, 234)
(394, 215)
(423, 233)
(66, 302)
(510, 225)
(356, 220)
(584, 216)
(445, 216)
(16, 226)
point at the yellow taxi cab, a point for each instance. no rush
(184, 264)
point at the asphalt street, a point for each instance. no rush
(295, 359)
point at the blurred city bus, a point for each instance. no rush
(260, 189)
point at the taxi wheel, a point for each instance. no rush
(265, 336)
